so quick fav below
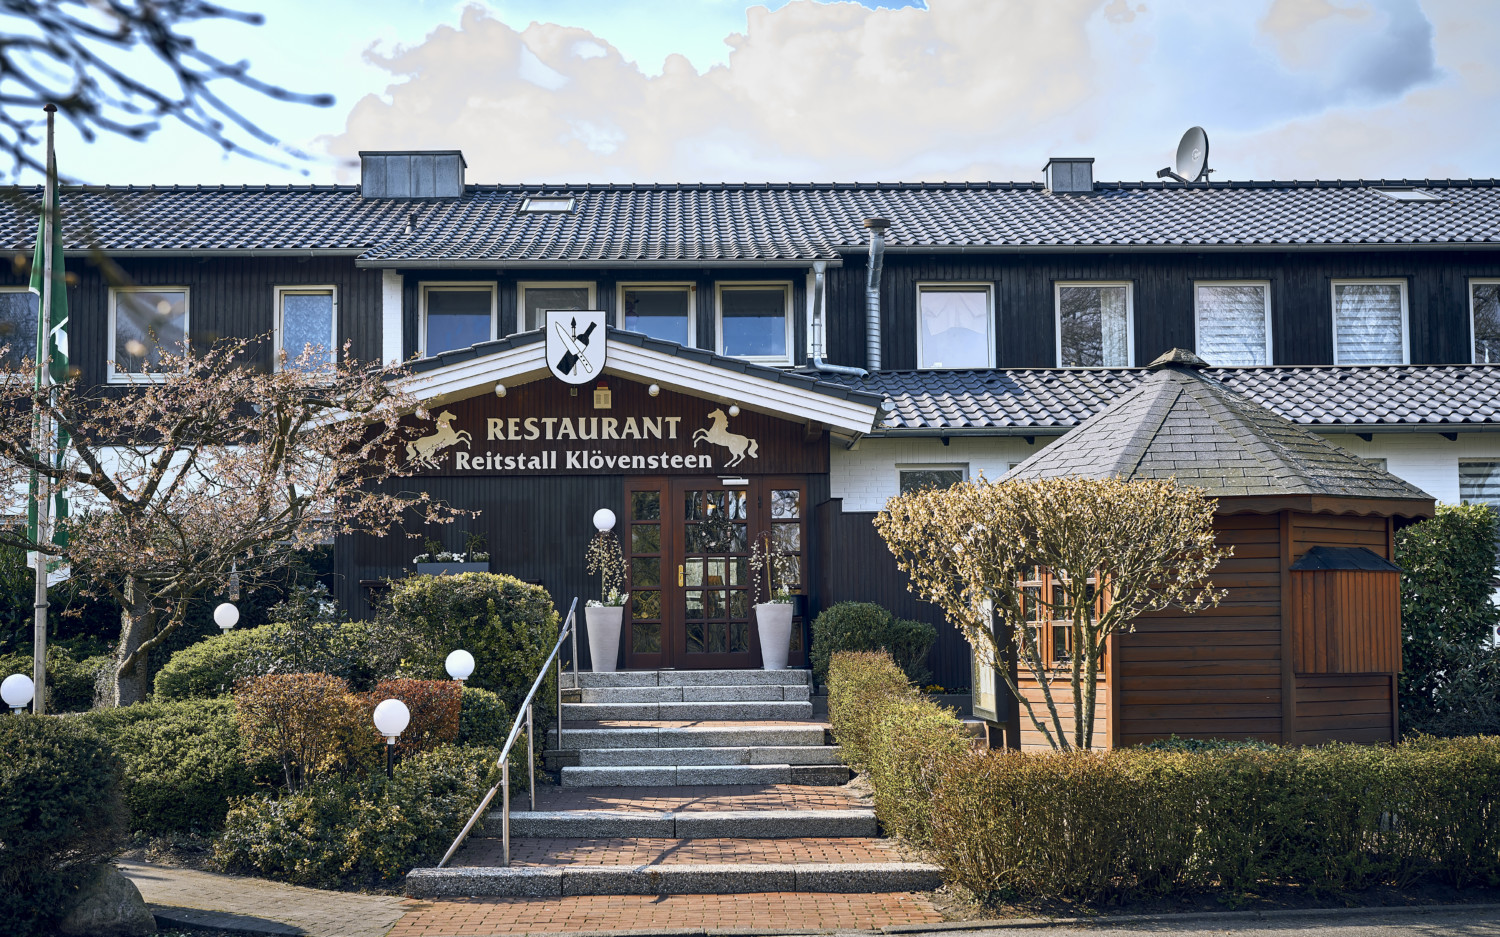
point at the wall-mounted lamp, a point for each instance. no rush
(734, 409)
(654, 389)
(499, 389)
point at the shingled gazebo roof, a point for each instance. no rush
(1180, 424)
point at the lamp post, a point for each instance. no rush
(226, 616)
(460, 664)
(391, 719)
(17, 691)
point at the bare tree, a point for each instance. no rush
(1114, 550)
(89, 57)
(205, 468)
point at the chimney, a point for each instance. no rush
(877, 228)
(1069, 175)
(411, 174)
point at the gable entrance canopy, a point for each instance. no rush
(521, 359)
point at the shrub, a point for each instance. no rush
(182, 763)
(309, 723)
(508, 625)
(211, 667)
(861, 686)
(909, 754)
(482, 718)
(351, 651)
(865, 626)
(61, 817)
(434, 708)
(343, 833)
(70, 679)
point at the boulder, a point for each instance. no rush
(110, 907)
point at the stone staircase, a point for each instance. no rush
(685, 782)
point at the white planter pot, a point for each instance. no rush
(604, 635)
(773, 622)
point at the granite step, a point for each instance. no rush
(814, 734)
(725, 711)
(648, 678)
(739, 878)
(703, 755)
(688, 824)
(693, 694)
(685, 775)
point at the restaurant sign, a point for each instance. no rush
(614, 427)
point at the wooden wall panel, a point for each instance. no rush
(1062, 697)
(1346, 621)
(1344, 708)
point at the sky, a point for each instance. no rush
(835, 90)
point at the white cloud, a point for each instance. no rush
(964, 89)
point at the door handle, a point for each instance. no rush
(681, 581)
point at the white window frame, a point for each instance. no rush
(786, 287)
(962, 467)
(441, 286)
(1333, 306)
(1473, 333)
(548, 204)
(113, 376)
(524, 285)
(1057, 288)
(953, 286)
(1265, 285)
(333, 338)
(663, 286)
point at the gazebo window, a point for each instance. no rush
(1044, 595)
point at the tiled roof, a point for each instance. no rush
(763, 222)
(1177, 423)
(1044, 399)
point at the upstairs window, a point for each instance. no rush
(1484, 310)
(145, 322)
(1479, 483)
(456, 315)
(306, 327)
(537, 298)
(1369, 322)
(1094, 324)
(540, 204)
(954, 326)
(924, 477)
(1234, 323)
(18, 315)
(755, 321)
(662, 311)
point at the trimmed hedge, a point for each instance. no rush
(1235, 816)
(183, 762)
(70, 679)
(211, 667)
(482, 718)
(865, 626)
(350, 833)
(61, 817)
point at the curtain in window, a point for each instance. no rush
(1487, 323)
(146, 323)
(955, 328)
(307, 329)
(18, 318)
(1479, 483)
(1095, 326)
(1232, 324)
(1367, 323)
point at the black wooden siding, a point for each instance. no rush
(232, 297)
(854, 565)
(1301, 299)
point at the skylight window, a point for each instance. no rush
(1410, 195)
(550, 203)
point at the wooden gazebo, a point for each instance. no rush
(1306, 646)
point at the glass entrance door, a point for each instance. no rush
(713, 575)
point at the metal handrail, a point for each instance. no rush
(570, 627)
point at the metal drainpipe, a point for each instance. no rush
(820, 269)
(877, 228)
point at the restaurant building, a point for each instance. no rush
(788, 356)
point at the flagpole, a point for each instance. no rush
(44, 427)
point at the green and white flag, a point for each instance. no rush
(51, 352)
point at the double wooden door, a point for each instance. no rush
(689, 542)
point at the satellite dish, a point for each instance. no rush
(1192, 158)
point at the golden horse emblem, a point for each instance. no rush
(718, 433)
(424, 451)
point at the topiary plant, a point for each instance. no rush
(482, 718)
(865, 626)
(210, 667)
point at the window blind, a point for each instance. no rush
(1232, 324)
(1367, 323)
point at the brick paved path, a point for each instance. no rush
(725, 797)
(233, 902)
(479, 917)
(638, 851)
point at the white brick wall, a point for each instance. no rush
(867, 476)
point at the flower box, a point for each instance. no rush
(449, 569)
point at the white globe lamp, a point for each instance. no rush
(604, 519)
(226, 616)
(460, 665)
(391, 719)
(17, 690)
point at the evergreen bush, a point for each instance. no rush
(862, 686)
(342, 833)
(482, 718)
(61, 816)
(212, 666)
(70, 678)
(865, 626)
